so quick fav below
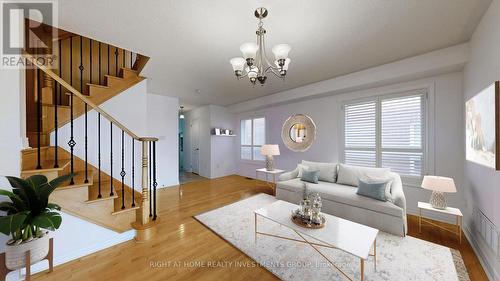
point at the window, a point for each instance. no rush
(253, 136)
(386, 132)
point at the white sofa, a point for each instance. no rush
(341, 200)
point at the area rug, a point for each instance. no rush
(398, 258)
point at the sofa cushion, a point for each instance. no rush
(301, 168)
(327, 171)
(374, 189)
(350, 175)
(342, 194)
(310, 176)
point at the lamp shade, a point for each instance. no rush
(238, 64)
(249, 50)
(270, 149)
(281, 51)
(440, 184)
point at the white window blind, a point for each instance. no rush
(253, 136)
(386, 132)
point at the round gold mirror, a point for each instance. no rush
(298, 132)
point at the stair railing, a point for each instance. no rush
(147, 210)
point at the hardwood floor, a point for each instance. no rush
(182, 243)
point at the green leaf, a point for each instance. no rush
(19, 187)
(8, 207)
(48, 188)
(18, 202)
(50, 220)
(53, 206)
(12, 223)
(37, 180)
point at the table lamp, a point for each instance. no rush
(438, 185)
(269, 150)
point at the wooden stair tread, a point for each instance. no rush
(58, 106)
(47, 165)
(97, 86)
(103, 198)
(127, 209)
(79, 180)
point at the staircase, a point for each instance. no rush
(85, 74)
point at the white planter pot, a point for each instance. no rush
(15, 255)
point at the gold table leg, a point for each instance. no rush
(419, 220)
(362, 263)
(375, 254)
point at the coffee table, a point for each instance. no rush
(350, 237)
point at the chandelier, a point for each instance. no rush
(255, 64)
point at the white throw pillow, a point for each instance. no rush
(327, 171)
(301, 168)
(350, 175)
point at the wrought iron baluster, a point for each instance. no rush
(108, 59)
(122, 173)
(71, 141)
(155, 184)
(55, 102)
(131, 64)
(90, 61)
(38, 116)
(82, 68)
(111, 193)
(99, 70)
(133, 173)
(116, 61)
(123, 57)
(99, 195)
(150, 183)
(60, 71)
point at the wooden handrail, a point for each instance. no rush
(85, 99)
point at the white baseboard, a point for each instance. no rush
(44, 265)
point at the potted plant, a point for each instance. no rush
(28, 217)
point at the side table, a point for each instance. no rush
(449, 211)
(267, 173)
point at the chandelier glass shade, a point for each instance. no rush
(255, 64)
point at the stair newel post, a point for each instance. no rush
(38, 116)
(71, 142)
(155, 184)
(122, 173)
(144, 218)
(99, 195)
(111, 193)
(82, 68)
(150, 181)
(56, 161)
(133, 172)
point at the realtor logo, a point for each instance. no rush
(26, 29)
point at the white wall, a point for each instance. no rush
(162, 122)
(222, 148)
(483, 184)
(11, 124)
(445, 136)
(217, 157)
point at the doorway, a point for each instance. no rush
(195, 147)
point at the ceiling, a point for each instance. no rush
(190, 42)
